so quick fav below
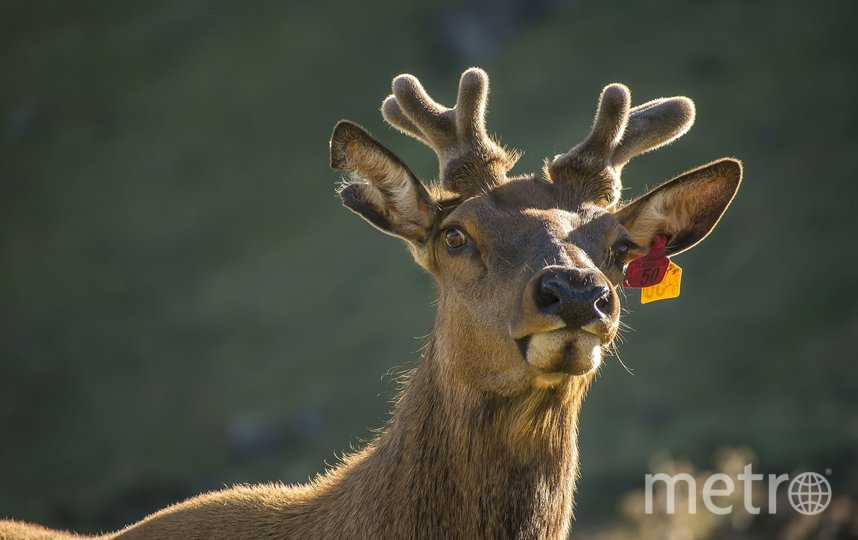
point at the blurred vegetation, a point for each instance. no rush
(761, 515)
(185, 304)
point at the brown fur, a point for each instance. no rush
(482, 442)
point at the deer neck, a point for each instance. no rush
(454, 459)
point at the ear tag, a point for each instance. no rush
(668, 288)
(650, 269)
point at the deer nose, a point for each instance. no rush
(573, 296)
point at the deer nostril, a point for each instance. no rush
(547, 297)
(602, 303)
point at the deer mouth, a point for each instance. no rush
(563, 351)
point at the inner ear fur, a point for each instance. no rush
(685, 209)
(381, 188)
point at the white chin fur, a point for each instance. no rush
(564, 351)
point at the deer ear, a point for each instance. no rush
(382, 189)
(685, 209)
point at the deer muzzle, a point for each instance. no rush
(564, 317)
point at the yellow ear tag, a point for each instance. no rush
(668, 288)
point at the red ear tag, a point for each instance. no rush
(650, 269)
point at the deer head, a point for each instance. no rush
(527, 266)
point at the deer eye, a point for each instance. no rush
(620, 251)
(455, 238)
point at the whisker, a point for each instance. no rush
(615, 352)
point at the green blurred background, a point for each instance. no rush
(185, 304)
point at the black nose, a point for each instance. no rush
(573, 296)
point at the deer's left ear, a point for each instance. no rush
(382, 189)
(684, 209)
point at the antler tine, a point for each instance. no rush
(422, 110)
(392, 113)
(468, 158)
(653, 125)
(612, 116)
(619, 133)
(471, 106)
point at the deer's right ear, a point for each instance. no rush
(382, 189)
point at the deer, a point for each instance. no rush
(482, 439)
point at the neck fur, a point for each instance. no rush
(454, 461)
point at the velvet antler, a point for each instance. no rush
(469, 159)
(593, 167)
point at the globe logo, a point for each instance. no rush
(809, 493)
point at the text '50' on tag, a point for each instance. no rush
(650, 269)
(646, 272)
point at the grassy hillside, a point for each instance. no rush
(186, 305)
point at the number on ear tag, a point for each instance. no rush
(668, 288)
(650, 269)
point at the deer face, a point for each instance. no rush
(527, 267)
(532, 277)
